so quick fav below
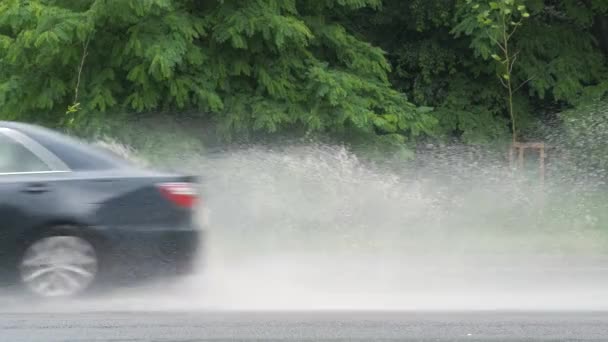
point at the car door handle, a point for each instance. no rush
(35, 188)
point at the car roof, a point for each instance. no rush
(75, 153)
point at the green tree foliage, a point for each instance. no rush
(342, 67)
(585, 129)
(436, 69)
(263, 65)
(442, 58)
(493, 25)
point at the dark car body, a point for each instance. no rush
(60, 185)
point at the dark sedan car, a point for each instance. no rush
(74, 217)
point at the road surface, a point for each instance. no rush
(252, 302)
(297, 326)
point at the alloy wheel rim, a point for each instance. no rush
(59, 266)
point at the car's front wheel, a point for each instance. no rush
(58, 266)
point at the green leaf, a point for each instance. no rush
(73, 108)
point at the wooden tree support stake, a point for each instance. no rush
(520, 148)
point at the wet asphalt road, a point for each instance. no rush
(297, 326)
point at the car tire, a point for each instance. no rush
(58, 265)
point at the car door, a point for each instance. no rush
(25, 190)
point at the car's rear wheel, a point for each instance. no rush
(58, 266)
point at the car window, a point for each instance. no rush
(14, 157)
(77, 154)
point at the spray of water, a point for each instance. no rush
(314, 227)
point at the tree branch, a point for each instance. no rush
(503, 82)
(513, 63)
(84, 56)
(514, 29)
(496, 42)
(523, 83)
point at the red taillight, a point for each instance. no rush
(182, 194)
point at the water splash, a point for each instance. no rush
(314, 227)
